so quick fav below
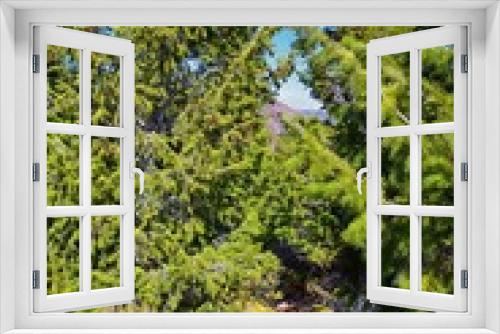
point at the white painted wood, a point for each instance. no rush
(251, 4)
(92, 130)
(373, 159)
(185, 16)
(7, 168)
(469, 322)
(420, 40)
(39, 155)
(86, 297)
(93, 210)
(127, 108)
(415, 168)
(460, 231)
(82, 40)
(416, 129)
(492, 187)
(255, 331)
(419, 210)
(414, 297)
(85, 171)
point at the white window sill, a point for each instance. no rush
(252, 331)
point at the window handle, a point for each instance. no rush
(359, 176)
(134, 170)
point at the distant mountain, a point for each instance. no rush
(320, 114)
(275, 111)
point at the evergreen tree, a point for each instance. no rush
(236, 217)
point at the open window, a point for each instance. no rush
(69, 216)
(417, 168)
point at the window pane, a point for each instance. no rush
(437, 169)
(63, 168)
(63, 239)
(105, 90)
(395, 251)
(395, 170)
(105, 171)
(437, 254)
(395, 81)
(437, 84)
(105, 252)
(63, 84)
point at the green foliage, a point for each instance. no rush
(63, 171)
(62, 255)
(336, 73)
(234, 217)
(63, 85)
(105, 256)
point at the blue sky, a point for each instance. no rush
(293, 92)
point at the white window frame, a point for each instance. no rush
(17, 17)
(413, 43)
(86, 44)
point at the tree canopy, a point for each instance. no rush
(237, 216)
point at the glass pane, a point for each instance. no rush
(63, 84)
(437, 169)
(395, 251)
(395, 170)
(63, 170)
(63, 265)
(437, 254)
(105, 171)
(437, 84)
(105, 90)
(395, 82)
(105, 252)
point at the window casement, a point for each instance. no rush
(76, 122)
(405, 123)
(87, 124)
